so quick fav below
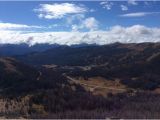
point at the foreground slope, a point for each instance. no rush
(14, 74)
(31, 92)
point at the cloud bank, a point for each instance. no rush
(132, 34)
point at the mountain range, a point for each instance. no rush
(81, 81)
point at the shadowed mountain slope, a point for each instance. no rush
(93, 55)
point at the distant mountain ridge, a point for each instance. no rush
(20, 49)
(24, 48)
(89, 55)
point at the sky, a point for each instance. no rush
(77, 22)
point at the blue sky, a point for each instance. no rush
(23, 13)
(78, 16)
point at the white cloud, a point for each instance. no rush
(132, 34)
(11, 26)
(124, 8)
(59, 10)
(139, 14)
(75, 18)
(107, 5)
(132, 2)
(89, 23)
